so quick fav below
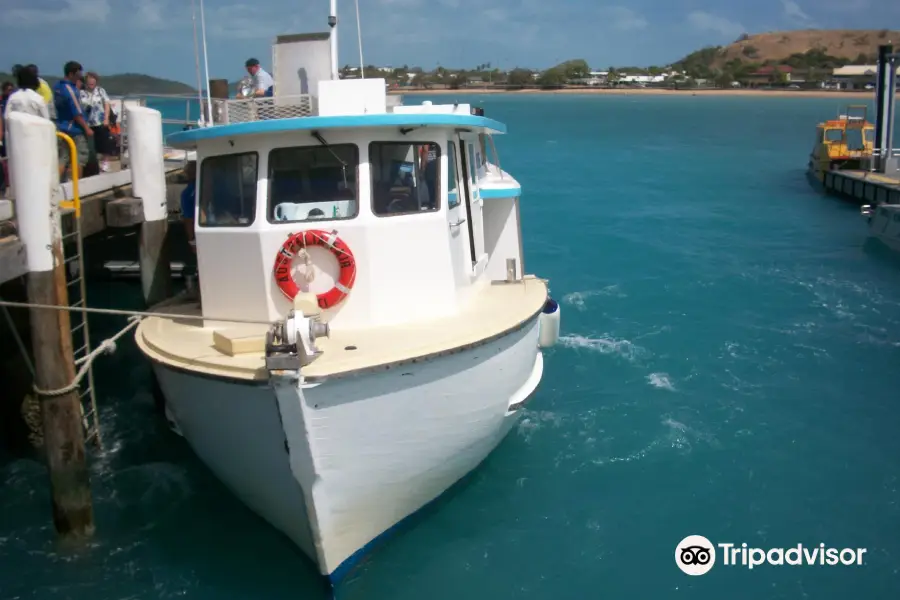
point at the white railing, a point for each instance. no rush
(246, 110)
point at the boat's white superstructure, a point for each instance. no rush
(379, 251)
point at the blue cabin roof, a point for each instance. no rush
(189, 139)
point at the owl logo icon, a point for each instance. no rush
(695, 555)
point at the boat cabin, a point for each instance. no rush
(850, 136)
(414, 194)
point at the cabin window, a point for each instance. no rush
(472, 166)
(834, 135)
(405, 177)
(870, 136)
(228, 190)
(309, 183)
(855, 139)
(453, 199)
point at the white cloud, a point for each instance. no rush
(247, 22)
(72, 11)
(150, 14)
(795, 13)
(624, 19)
(704, 21)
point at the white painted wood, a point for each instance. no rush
(145, 147)
(33, 169)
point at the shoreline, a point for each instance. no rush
(870, 94)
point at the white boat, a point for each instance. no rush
(884, 223)
(394, 337)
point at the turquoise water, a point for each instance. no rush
(729, 368)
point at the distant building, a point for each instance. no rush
(770, 74)
(856, 77)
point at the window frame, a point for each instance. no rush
(453, 159)
(199, 202)
(270, 217)
(438, 183)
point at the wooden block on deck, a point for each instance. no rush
(12, 258)
(124, 212)
(234, 342)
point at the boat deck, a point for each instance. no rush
(494, 311)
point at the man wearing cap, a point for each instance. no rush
(263, 84)
(70, 117)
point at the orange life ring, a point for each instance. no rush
(315, 237)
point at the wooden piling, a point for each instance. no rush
(156, 271)
(33, 164)
(61, 414)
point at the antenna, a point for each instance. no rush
(332, 22)
(362, 65)
(197, 59)
(206, 66)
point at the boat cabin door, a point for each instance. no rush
(461, 250)
(470, 158)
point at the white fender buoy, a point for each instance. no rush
(548, 324)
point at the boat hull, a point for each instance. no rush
(884, 225)
(379, 445)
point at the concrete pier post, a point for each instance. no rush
(148, 182)
(885, 103)
(32, 160)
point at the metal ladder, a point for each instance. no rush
(76, 290)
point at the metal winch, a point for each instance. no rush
(290, 344)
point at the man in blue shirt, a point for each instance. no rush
(70, 118)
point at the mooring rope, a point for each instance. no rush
(132, 313)
(107, 346)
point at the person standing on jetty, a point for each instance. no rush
(26, 99)
(70, 118)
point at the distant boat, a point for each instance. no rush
(846, 142)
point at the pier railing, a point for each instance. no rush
(167, 104)
(245, 110)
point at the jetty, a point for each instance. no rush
(876, 179)
(47, 352)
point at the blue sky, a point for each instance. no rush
(156, 36)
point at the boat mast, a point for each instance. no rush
(332, 22)
(197, 60)
(362, 66)
(209, 117)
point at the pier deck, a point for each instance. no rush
(96, 193)
(864, 187)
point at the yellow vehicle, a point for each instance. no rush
(847, 142)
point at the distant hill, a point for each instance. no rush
(808, 48)
(129, 83)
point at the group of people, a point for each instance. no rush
(79, 107)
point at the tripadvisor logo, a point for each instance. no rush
(696, 555)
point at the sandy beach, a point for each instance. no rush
(866, 95)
